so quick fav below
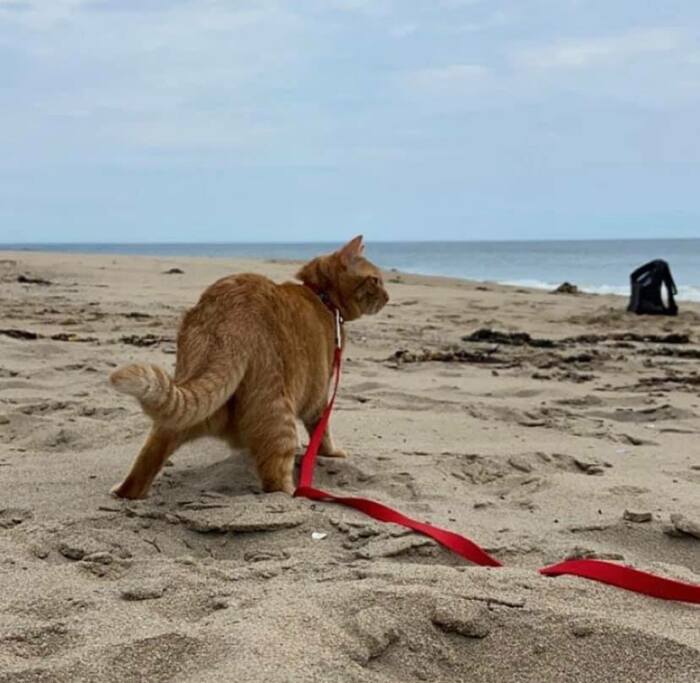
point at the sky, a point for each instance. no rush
(315, 120)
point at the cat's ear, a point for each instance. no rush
(352, 251)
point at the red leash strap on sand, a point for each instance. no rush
(628, 578)
(308, 462)
(606, 572)
(452, 541)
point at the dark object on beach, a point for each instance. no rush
(485, 335)
(646, 283)
(70, 337)
(627, 337)
(135, 315)
(143, 340)
(451, 355)
(566, 288)
(20, 334)
(174, 271)
(26, 280)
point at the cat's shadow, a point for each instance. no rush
(232, 475)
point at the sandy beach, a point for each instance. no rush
(576, 439)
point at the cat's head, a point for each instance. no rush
(354, 284)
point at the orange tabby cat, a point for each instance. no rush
(252, 357)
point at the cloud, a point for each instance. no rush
(14, 6)
(578, 54)
(495, 20)
(450, 76)
(459, 4)
(98, 81)
(403, 30)
(133, 6)
(370, 8)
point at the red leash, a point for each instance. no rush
(597, 570)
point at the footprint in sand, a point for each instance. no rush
(39, 641)
(13, 517)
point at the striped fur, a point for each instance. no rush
(177, 406)
(253, 357)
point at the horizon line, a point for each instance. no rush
(369, 241)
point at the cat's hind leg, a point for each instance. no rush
(270, 432)
(160, 445)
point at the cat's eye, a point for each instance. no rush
(375, 281)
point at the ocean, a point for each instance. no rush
(601, 266)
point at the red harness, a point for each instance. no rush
(597, 570)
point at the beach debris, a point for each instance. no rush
(671, 352)
(143, 340)
(567, 367)
(637, 517)
(579, 358)
(576, 377)
(72, 337)
(566, 288)
(688, 380)
(20, 334)
(318, 535)
(681, 526)
(136, 315)
(674, 338)
(27, 335)
(174, 271)
(451, 355)
(468, 620)
(27, 280)
(487, 335)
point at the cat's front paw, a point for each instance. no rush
(128, 490)
(335, 453)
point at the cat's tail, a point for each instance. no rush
(173, 405)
